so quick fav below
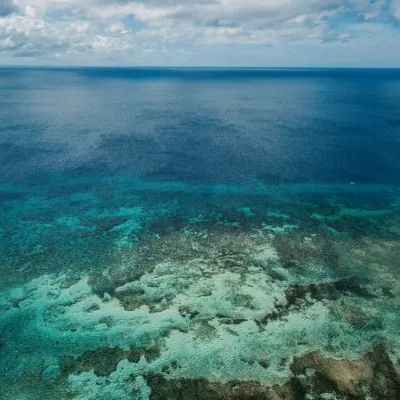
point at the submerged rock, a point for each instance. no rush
(329, 290)
(373, 376)
(51, 372)
(102, 361)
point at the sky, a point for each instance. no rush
(270, 33)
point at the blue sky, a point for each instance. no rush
(327, 33)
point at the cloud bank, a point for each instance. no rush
(183, 31)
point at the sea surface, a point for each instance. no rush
(199, 234)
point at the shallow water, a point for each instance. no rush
(199, 234)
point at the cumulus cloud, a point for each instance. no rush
(56, 27)
(32, 37)
(118, 27)
(7, 43)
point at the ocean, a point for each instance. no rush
(199, 233)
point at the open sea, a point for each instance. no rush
(183, 234)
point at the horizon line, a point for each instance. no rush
(192, 67)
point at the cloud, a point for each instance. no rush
(239, 21)
(342, 38)
(128, 28)
(118, 27)
(32, 37)
(7, 43)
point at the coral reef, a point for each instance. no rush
(177, 297)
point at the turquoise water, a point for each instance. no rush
(199, 234)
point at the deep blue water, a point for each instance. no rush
(202, 126)
(109, 174)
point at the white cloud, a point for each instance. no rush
(62, 28)
(32, 12)
(7, 43)
(107, 43)
(118, 27)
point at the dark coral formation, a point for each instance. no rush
(294, 252)
(105, 360)
(373, 376)
(329, 290)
